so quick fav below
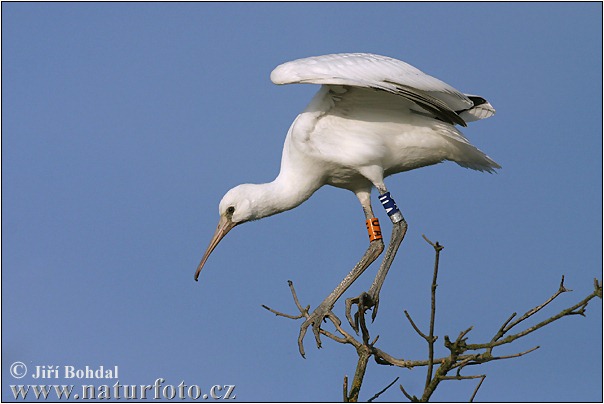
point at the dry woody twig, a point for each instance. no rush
(461, 354)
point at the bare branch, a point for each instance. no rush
(374, 340)
(534, 310)
(437, 248)
(435, 245)
(467, 360)
(461, 354)
(345, 388)
(477, 387)
(458, 377)
(341, 340)
(364, 354)
(295, 296)
(303, 311)
(379, 393)
(383, 358)
(578, 308)
(502, 330)
(516, 355)
(278, 313)
(411, 398)
(597, 288)
(421, 334)
(348, 339)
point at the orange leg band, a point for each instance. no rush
(373, 228)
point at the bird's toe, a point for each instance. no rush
(314, 320)
(316, 329)
(376, 303)
(303, 329)
(364, 302)
(354, 323)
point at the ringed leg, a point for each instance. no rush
(399, 228)
(376, 246)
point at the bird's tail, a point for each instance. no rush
(477, 160)
(465, 154)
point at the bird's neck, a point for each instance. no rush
(284, 193)
(298, 179)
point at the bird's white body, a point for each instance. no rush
(373, 116)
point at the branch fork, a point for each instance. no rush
(461, 354)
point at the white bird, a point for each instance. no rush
(373, 116)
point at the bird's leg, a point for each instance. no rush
(376, 246)
(371, 299)
(399, 229)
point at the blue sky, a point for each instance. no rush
(124, 124)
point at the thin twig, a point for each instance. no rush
(411, 398)
(372, 343)
(298, 305)
(471, 359)
(303, 311)
(278, 313)
(517, 354)
(502, 330)
(534, 310)
(341, 340)
(437, 248)
(458, 377)
(417, 330)
(435, 245)
(457, 359)
(477, 387)
(598, 288)
(379, 393)
(569, 311)
(345, 388)
(347, 338)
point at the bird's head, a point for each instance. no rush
(239, 205)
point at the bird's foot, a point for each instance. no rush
(313, 319)
(364, 302)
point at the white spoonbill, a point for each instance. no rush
(373, 116)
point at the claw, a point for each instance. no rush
(315, 319)
(376, 303)
(353, 323)
(316, 329)
(364, 302)
(301, 338)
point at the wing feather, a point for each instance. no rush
(382, 73)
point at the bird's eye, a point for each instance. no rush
(230, 210)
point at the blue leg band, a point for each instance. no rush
(391, 209)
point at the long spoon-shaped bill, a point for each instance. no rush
(224, 226)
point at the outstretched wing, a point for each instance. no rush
(387, 74)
